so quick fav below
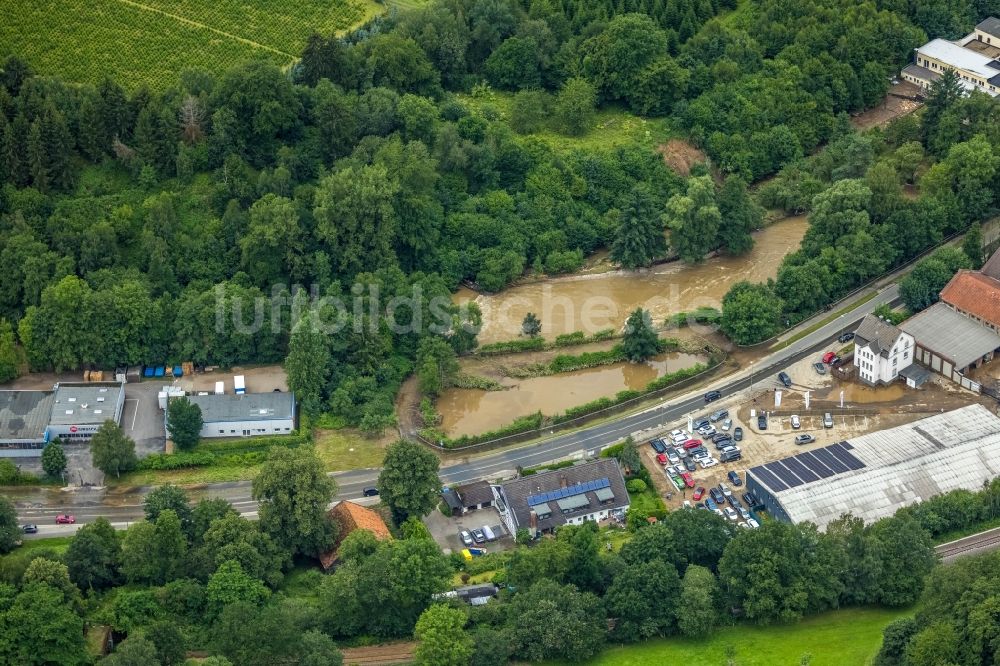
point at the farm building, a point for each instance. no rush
(70, 411)
(245, 415)
(569, 496)
(874, 475)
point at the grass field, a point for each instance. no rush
(847, 637)
(148, 42)
(612, 126)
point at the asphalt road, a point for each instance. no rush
(40, 506)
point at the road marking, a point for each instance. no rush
(135, 413)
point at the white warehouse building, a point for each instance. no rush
(246, 415)
(874, 475)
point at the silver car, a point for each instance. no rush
(727, 424)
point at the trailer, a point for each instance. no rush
(220, 388)
(239, 383)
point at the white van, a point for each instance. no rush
(490, 536)
(827, 420)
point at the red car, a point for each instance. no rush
(688, 479)
(63, 519)
(692, 444)
(828, 357)
(699, 492)
(661, 458)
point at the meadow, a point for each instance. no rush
(148, 42)
(846, 637)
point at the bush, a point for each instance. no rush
(636, 486)
(176, 460)
(522, 424)
(511, 346)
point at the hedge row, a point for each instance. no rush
(511, 346)
(522, 424)
(244, 444)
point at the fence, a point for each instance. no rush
(553, 428)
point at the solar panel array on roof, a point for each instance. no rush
(807, 467)
(569, 491)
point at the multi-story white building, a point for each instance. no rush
(881, 350)
(975, 59)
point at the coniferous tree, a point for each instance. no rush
(37, 160)
(640, 341)
(90, 130)
(639, 240)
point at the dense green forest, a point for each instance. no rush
(138, 228)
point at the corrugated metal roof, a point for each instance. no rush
(951, 335)
(245, 407)
(903, 465)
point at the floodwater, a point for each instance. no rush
(471, 411)
(594, 302)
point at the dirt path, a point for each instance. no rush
(408, 408)
(395, 653)
(196, 24)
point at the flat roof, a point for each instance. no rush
(898, 467)
(245, 407)
(91, 403)
(958, 57)
(24, 415)
(951, 335)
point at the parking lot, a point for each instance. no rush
(445, 529)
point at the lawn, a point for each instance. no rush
(613, 126)
(346, 449)
(148, 42)
(848, 637)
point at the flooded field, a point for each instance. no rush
(593, 302)
(470, 411)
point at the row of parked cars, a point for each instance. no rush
(477, 535)
(723, 501)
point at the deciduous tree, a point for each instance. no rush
(640, 341)
(698, 602)
(94, 556)
(54, 459)
(184, 422)
(409, 483)
(112, 451)
(441, 636)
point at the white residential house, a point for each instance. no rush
(881, 351)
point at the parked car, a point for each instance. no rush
(712, 396)
(661, 458)
(785, 379)
(804, 439)
(819, 368)
(750, 499)
(719, 513)
(845, 337)
(710, 504)
(681, 452)
(727, 425)
(658, 445)
(701, 422)
(707, 431)
(65, 519)
(699, 492)
(734, 478)
(478, 536)
(688, 505)
(488, 533)
(725, 490)
(730, 514)
(717, 495)
(673, 457)
(828, 357)
(796, 424)
(370, 491)
(719, 415)
(679, 439)
(700, 452)
(738, 434)
(723, 444)
(719, 436)
(744, 514)
(835, 361)
(30, 528)
(688, 479)
(700, 505)
(827, 420)
(731, 455)
(466, 537)
(677, 433)
(692, 444)
(753, 523)
(762, 421)
(733, 502)
(742, 525)
(708, 462)
(689, 465)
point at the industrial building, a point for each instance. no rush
(69, 411)
(245, 415)
(569, 496)
(874, 475)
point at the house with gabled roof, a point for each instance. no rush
(349, 518)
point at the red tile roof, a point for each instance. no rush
(349, 517)
(974, 293)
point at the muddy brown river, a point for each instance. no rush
(593, 302)
(470, 411)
